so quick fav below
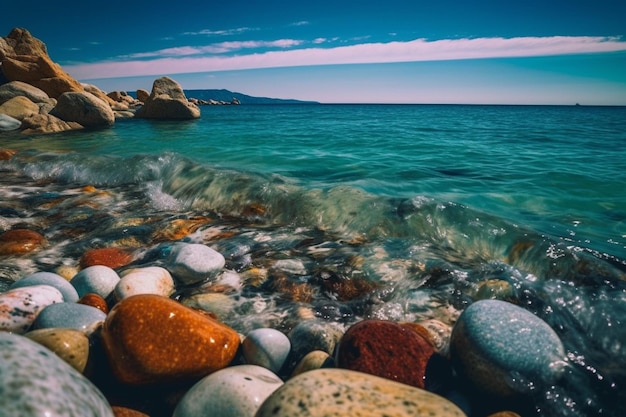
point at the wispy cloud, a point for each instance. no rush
(215, 48)
(224, 32)
(183, 60)
(300, 23)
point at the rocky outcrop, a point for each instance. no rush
(83, 108)
(47, 123)
(18, 88)
(19, 107)
(167, 101)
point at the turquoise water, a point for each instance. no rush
(439, 198)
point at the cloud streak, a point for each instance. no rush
(193, 59)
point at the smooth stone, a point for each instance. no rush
(148, 280)
(71, 345)
(502, 348)
(313, 360)
(152, 339)
(8, 123)
(236, 391)
(266, 347)
(69, 315)
(438, 334)
(36, 382)
(120, 411)
(193, 262)
(341, 392)
(111, 257)
(94, 300)
(19, 307)
(310, 335)
(49, 278)
(20, 241)
(385, 349)
(217, 303)
(97, 279)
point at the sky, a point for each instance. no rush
(344, 51)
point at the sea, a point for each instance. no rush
(435, 206)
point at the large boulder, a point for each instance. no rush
(25, 58)
(83, 108)
(46, 123)
(19, 107)
(167, 101)
(18, 88)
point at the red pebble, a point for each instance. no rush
(385, 349)
(111, 257)
(96, 301)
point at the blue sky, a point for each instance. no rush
(391, 51)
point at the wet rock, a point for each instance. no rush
(266, 347)
(49, 278)
(69, 315)
(313, 360)
(36, 382)
(310, 335)
(385, 349)
(153, 339)
(236, 391)
(216, 303)
(193, 262)
(111, 257)
(20, 241)
(120, 411)
(167, 101)
(97, 279)
(504, 349)
(8, 123)
(71, 345)
(94, 300)
(20, 307)
(341, 392)
(148, 280)
(83, 108)
(47, 123)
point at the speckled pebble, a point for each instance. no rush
(49, 278)
(20, 307)
(236, 391)
(97, 279)
(341, 392)
(35, 382)
(503, 349)
(148, 280)
(69, 315)
(266, 347)
(193, 262)
(71, 345)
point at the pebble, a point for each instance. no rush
(69, 315)
(217, 303)
(49, 278)
(97, 279)
(312, 334)
(148, 280)
(111, 257)
(313, 360)
(342, 392)
(20, 241)
(94, 300)
(35, 382)
(71, 345)
(236, 391)
(120, 411)
(385, 349)
(504, 349)
(153, 339)
(266, 347)
(19, 307)
(193, 262)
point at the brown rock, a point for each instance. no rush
(20, 241)
(167, 101)
(6, 154)
(385, 349)
(46, 123)
(119, 411)
(111, 257)
(83, 108)
(19, 108)
(71, 345)
(151, 339)
(143, 95)
(95, 300)
(40, 72)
